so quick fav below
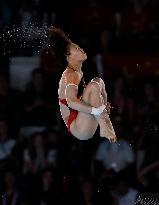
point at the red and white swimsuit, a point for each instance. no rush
(72, 116)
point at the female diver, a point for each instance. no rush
(81, 115)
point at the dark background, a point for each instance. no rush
(40, 163)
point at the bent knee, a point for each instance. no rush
(97, 79)
(93, 86)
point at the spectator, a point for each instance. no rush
(134, 27)
(49, 165)
(10, 104)
(17, 153)
(10, 195)
(52, 147)
(123, 192)
(5, 12)
(6, 145)
(148, 143)
(88, 196)
(135, 19)
(103, 47)
(122, 101)
(148, 105)
(36, 108)
(94, 17)
(36, 157)
(49, 193)
(52, 72)
(149, 177)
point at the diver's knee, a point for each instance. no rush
(97, 79)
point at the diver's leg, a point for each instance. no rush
(88, 123)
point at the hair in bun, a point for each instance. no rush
(59, 43)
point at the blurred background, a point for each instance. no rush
(40, 163)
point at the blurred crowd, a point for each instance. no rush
(40, 162)
(128, 26)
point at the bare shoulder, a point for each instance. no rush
(71, 77)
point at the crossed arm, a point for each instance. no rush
(72, 80)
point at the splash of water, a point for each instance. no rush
(31, 39)
(148, 199)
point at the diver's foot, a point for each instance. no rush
(108, 134)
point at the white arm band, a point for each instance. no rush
(97, 111)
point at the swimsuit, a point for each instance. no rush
(72, 116)
(73, 113)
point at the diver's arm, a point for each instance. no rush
(72, 81)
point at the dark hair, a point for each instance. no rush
(58, 43)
